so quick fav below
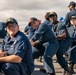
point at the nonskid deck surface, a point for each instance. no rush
(58, 69)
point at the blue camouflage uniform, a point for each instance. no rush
(72, 51)
(44, 34)
(30, 31)
(38, 49)
(2, 30)
(47, 22)
(19, 45)
(64, 43)
(68, 15)
(72, 58)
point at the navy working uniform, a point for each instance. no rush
(72, 58)
(47, 22)
(73, 49)
(18, 45)
(64, 43)
(72, 12)
(38, 49)
(62, 36)
(2, 30)
(72, 32)
(67, 18)
(30, 31)
(44, 34)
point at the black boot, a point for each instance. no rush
(66, 73)
(71, 68)
(43, 70)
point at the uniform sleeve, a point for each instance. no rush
(74, 37)
(39, 32)
(67, 19)
(26, 28)
(20, 48)
(60, 29)
(2, 46)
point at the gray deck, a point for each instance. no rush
(38, 65)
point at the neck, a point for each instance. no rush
(55, 22)
(72, 9)
(11, 36)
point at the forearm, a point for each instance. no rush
(62, 36)
(38, 41)
(59, 37)
(11, 59)
(2, 54)
(1, 51)
(34, 42)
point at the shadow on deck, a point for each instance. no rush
(38, 65)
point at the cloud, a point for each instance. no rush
(22, 10)
(29, 5)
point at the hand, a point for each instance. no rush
(2, 54)
(32, 43)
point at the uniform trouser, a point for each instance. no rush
(37, 51)
(63, 47)
(70, 49)
(50, 50)
(73, 55)
(12, 69)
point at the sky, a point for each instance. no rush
(22, 10)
